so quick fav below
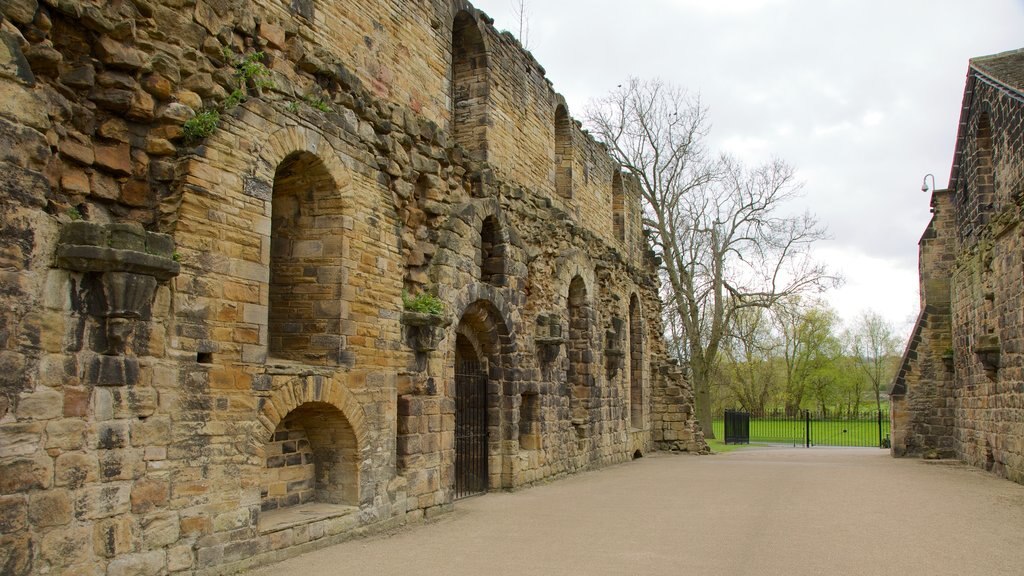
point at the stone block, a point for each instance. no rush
(153, 431)
(141, 564)
(149, 494)
(50, 508)
(121, 465)
(67, 546)
(112, 434)
(43, 404)
(16, 552)
(20, 438)
(116, 536)
(26, 473)
(179, 558)
(114, 157)
(160, 530)
(103, 501)
(66, 433)
(76, 469)
(13, 513)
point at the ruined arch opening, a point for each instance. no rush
(636, 364)
(618, 207)
(580, 352)
(469, 89)
(492, 252)
(304, 315)
(312, 458)
(563, 152)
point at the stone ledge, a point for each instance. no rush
(284, 518)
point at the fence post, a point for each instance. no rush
(807, 433)
(879, 428)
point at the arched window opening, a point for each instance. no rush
(305, 262)
(581, 355)
(984, 169)
(469, 86)
(618, 207)
(636, 365)
(492, 253)
(563, 152)
(312, 458)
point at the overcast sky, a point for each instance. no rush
(861, 96)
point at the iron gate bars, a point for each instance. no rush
(805, 428)
(470, 430)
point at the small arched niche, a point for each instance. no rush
(311, 468)
(304, 315)
(563, 152)
(580, 352)
(469, 86)
(493, 252)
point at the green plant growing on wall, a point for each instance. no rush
(249, 70)
(74, 213)
(423, 303)
(318, 103)
(201, 125)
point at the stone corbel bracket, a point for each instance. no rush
(424, 332)
(123, 264)
(987, 349)
(614, 355)
(548, 339)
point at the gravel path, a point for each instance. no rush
(754, 511)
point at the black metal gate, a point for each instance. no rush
(737, 427)
(470, 429)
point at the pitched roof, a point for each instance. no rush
(1004, 72)
(1006, 69)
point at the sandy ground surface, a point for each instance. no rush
(757, 511)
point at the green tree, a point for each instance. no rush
(874, 348)
(809, 348)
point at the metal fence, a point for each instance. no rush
(805, 428)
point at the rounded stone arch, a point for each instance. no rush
(287, 141)
(498, 243)
(309, 446)
(477, 304)
(572, 264)
(312, 389)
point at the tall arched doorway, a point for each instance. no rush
(471, 449)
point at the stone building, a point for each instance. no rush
(212, 214)
(960, 389)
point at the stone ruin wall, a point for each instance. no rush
(198, 337)
(964, 394)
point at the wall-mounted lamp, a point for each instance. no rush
(924, 183)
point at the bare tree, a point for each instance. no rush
(522, 13)
(874, 346)
(716, 224)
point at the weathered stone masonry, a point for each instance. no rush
(205, 364)
(960, 390)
